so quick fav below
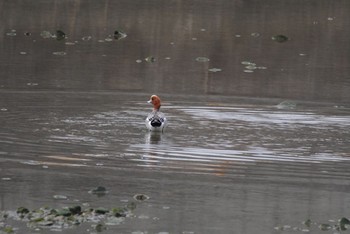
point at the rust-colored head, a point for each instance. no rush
(155, 100)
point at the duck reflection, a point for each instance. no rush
(153, 138)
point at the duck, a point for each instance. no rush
(156, 121)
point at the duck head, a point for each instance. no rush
(155, 100)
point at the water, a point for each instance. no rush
(222, 166)
(258, 135)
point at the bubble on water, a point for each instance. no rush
(301, 54)
(101, 41)
(12, 33)
(69, 43)
(138, 60)
(167, 58)
(330, 18)
(194, 38)
(237, 35)
(215, 69)
(3, 109)
(202, 59)
(255, 34)
(59, 53)
(6, 178)
(248, 71)
(203, 29)
(23, 53)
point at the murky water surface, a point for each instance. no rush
(222, 166)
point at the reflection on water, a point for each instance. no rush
(220, 165)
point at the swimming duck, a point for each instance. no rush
(156, 120)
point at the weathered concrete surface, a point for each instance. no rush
(312, 65)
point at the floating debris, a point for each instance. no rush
(202, 59)
(255, 34)
(64, 218)
(246, 63)
(59, 53)
(141, 197)
(99, 191)
(108, 39)
(60, 35)
(344, 224)
(287, 105)
(32, 84)
(251, 67)
(280, 38)
(215, 69)
(86, 38)
(99, 227)
(69, 43)
(150, 59)
(12, 33)
(45, 34)
(119, 35)
(60, 197)
(325, 227)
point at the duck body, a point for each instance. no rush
(156, 120)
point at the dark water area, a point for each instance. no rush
(256, 94)
(234, 36)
